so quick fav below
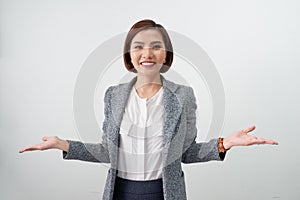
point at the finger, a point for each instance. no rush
(249, 129)
(265, 141)
(27, 149)
(32, 148)
(22, 150)
(44, 138)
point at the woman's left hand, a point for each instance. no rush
(241, 138)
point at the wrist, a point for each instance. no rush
(227, 144)
(63, 145)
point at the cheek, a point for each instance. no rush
(134, 57)
(161, 55)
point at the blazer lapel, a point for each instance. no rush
(118, 103)
(172, 112)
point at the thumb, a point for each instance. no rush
(249, 129)
(44, 138)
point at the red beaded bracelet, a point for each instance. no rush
(221, 146)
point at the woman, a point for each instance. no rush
(149, 127)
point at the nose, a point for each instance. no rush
(147, 53)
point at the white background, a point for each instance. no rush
(254, 45)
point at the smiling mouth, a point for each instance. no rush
(147, 64)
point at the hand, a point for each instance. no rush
(48, 143)
(241, 138)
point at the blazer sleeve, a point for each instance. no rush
(88, 151)
(197, 152)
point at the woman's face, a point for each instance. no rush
(147, 52)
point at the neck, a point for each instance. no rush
(147, 81)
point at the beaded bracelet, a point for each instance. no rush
(221, 146)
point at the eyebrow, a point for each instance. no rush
(138, 42)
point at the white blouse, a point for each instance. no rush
(141, 135)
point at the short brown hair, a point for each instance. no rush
(143, 25)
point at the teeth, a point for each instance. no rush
(147, 63)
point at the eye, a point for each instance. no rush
(138, 47)
(157, 46)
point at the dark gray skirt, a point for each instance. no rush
(138, 190)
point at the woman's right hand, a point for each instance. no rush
(52, 142)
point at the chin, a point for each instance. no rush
(150, 72)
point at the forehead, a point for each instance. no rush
(147, 36)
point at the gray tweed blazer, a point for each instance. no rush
(179, 134)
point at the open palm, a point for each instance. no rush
(47, 143)
(242, 138)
